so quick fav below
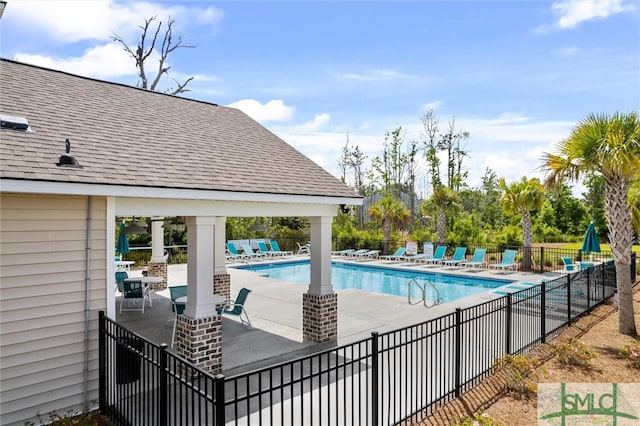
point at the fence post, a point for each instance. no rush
(543, 312)
(589, 289)
(542, 260)
(569, 299)
(508, 325)
(219, 401)
(458, 355)
(374, 378)
(163, 406)
(102, 363)
(633, 267)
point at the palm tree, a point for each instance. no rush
(444, 200)
(389, 212)
(523, 197)
(609, 146)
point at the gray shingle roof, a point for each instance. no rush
(123, 135)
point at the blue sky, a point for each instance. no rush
(517, 75)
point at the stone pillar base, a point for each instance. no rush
(157, 269)
(320, 318)
(200, 341)
(222, 284)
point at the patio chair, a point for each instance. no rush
(569, 266)
(303, 249)
(120, 277)
(438, 255)
(275, 247)
(237, 307)
(178, 308)
(175, 292)
(398, 255)
(458, 256)
(477, 260)
(508, 261)
(134, 290)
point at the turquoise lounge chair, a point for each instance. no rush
(276, 248)
(367, 255)
(438, 255)
(477, 260)
(458, 256)
(234, 254)
(344, 252)
(357, 253)
(246, 248)
(398, 255)
(262, 246)
(508, 261)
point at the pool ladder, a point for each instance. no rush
(423, 285)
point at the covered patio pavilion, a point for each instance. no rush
(77, 153)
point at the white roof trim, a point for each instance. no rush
(64, 188)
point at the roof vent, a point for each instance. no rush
(11, 122)
(67, 160)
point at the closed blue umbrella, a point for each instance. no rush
(123, 241)
(591, 243)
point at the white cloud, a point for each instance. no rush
(374, 75)
(274, 110)
(106, 62)
(72, 21)
(318, 122)
(573, 12)
(568, 51)
(432, 105)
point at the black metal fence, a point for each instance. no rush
(385, 379)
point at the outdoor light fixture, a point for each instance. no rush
(257, 227)
(344, 209)
(136, 227)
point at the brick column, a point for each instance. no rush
(158, 269)
(222, 284)
(320, 317)
(200, 341)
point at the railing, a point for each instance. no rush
(385, 379)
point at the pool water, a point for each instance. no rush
(382, 280)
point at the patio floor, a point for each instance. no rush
(275, 309)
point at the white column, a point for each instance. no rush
(320, 255)
(157, 239)
(200, 252)
(219, 246)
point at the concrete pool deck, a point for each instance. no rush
(275, 309)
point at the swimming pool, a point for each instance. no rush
(381, 280)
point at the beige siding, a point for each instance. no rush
(42, 301)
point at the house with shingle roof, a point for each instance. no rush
(75, 153)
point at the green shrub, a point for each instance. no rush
(574, 352)
(631, 352)
(479, 420)
(523, 374)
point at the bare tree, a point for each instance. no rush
(144, 50)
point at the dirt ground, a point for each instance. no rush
(598, 330)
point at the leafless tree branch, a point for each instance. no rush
(143, 52)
